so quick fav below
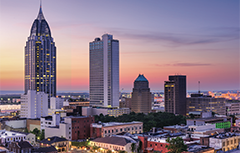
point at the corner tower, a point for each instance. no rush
(40, 58)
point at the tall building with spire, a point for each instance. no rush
(40, 58)
(141, 96)
(104, 71)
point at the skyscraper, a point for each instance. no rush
(104, 71)
(175, 94)
(40, 58)
(141, 96)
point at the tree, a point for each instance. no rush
(133, 147)
(139, 149)
(42, 135)
(109, 151)
(176, 145)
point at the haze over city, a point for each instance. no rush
(199, 39)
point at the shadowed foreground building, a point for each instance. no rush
(141, 96)
(175, 94)
(40, 58)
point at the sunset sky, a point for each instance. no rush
(157, 38)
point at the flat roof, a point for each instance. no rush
(114, 124)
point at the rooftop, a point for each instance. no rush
(4, 134)
(225, 135)
(141, 78)
(99, 125)
(121, 141)
(52, 140)
(44, 149)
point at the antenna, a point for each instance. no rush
(199, 87)
(41, 3)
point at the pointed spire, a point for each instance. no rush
(40, 14)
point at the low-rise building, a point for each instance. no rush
(157, 141)
(225, 141)
(7, 137)
(113, 143)
(30, 137)
(22, 146)
(50, 149)
(111, 111)
(63, 130)
(33, 123)
(72, 128)
(108, 129)
(61, 144)
(199, 149)
(208, 129)
(176, 128)
(220, 122)
(50, 121)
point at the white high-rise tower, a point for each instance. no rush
(104, 71)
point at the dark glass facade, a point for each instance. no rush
(40, 58)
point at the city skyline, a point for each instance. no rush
(157, 39)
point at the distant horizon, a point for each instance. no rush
(3, 92)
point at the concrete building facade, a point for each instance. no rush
(34, 104)
(104, 71)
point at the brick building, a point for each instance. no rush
(80, 126)
(108, 129)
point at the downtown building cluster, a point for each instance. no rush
(65, 123)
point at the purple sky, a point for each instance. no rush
(157, 38)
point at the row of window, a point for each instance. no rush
(122, 129)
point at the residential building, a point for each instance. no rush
(111, 111)
(175, 94)
(61, 144)
(104, 71)
(30, 137)
(113, 143)
(202, 103)
(40, 58)
(141, 96)
(56, 103)
(7, 137)
(112, 128)
(34, 104)
(22, 146)
(50, 121)
(207, 129)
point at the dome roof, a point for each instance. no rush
(141, 78)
